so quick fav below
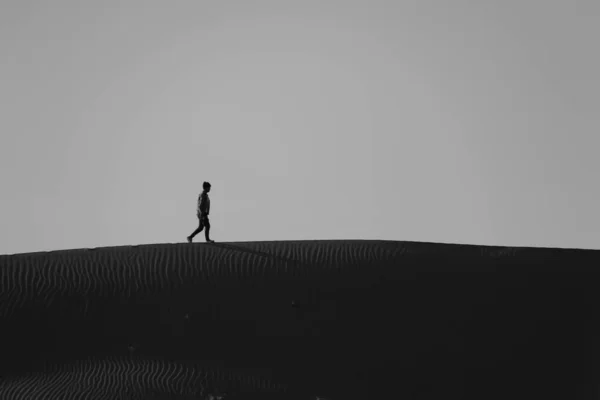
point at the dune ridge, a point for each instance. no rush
(127, 270)
(336, 319)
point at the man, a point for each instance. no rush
(202, 213)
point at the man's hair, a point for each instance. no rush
(205, 185)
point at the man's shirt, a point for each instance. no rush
(203, 204)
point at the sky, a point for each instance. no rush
(427, 120)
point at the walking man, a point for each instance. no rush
(202, 213)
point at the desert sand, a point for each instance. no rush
(345, 319)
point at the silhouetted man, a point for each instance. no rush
(202, 213)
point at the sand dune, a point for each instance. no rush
(336, 319)
(115, 378)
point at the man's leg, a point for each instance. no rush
(207, 231)
(198, 230)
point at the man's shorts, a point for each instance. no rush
(203, 218)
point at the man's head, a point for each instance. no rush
(206, 186)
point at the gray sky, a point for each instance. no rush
(448, 121)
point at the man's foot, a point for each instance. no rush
(189, 239)
(210, 241)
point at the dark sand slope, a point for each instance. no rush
(338, 319)
(127, 378)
